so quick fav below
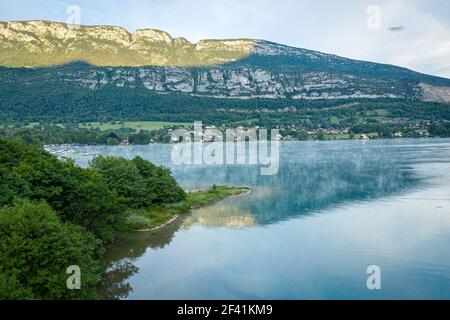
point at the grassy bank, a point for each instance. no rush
(157, 216)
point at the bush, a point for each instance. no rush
(135, 222)
(36, 249)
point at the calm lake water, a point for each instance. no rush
(309, 232)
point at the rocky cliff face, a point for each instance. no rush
(435, 93)
(241, 68)
(240, 82)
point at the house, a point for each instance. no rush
(423, 133)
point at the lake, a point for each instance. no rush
(309, 232)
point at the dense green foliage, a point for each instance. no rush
(54, 214)
(440, 129)
(79, 195)
(159, 182)
(36, 249)
(55, 134)
(139, 182)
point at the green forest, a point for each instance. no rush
(44, 102)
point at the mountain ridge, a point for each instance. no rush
(157, 35)
(153, 60)
(108, 46)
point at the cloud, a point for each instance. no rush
(424, 44)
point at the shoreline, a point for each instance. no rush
(194, 200)
(175, 218)
(306, 140)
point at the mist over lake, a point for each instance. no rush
(309, 232)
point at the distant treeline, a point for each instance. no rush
(437, 129)
(55, 134)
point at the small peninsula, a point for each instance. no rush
(156, 217)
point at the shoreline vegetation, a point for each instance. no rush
(55, 214)
(158, 217)
(116, 133)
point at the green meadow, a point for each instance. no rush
(135, 125)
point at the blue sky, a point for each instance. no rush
(420, 39)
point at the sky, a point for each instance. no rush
(409, 33)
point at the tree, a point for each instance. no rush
(89, 202)
(142, 137)
(123, 177)
(36, 249)
(320, 136)
(159, 180)
(6, 194)
(139, 182)
(112, 142)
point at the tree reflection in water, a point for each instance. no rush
(114, 285)
(121, 255)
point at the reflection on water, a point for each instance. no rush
(220, 216)
(114, 285)
(308, 232)
(129, 247)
